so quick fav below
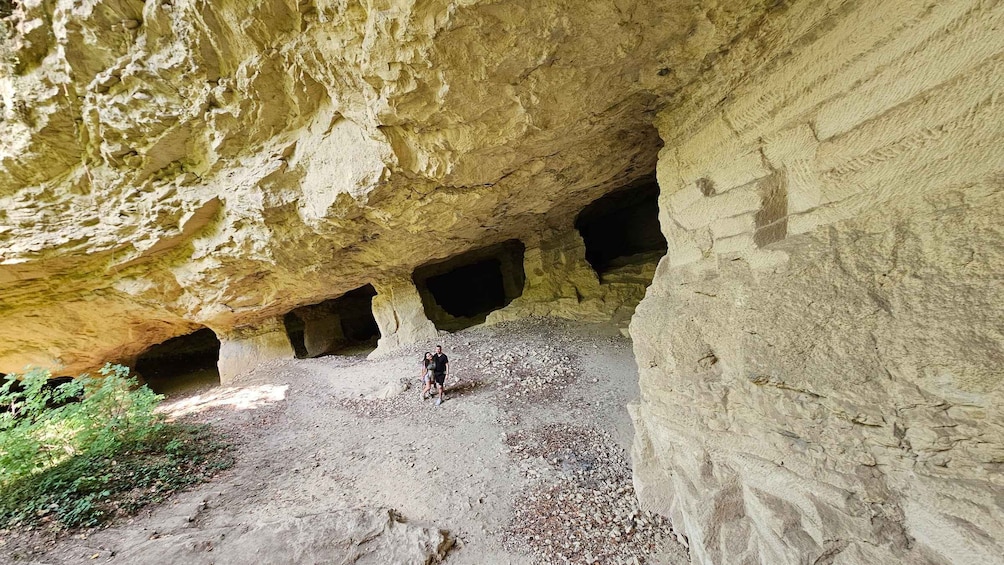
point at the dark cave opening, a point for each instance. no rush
(7, 7)
(338, 326)
(294, 331)
(622, 228)
(461, 291)
(181, 363)
(469, 290)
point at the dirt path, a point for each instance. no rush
(525, 462)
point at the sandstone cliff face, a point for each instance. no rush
(174, 164)
(820, 349)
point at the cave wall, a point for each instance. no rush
(197, 351)
(821, 349)
(560, 282)
(622, 227)
(325, 328)
(172, 165)
(322, 333)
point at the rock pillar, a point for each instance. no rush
(399, 314)
(322, 330)
(244, 348)
(322, 334)
(559, 281)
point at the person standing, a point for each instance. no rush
(426, 375)
(440, 370)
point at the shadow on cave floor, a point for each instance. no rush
(356, 349)
(184, 384)
(634, 269)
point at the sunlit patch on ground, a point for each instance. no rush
(243, 398)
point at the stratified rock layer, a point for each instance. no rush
(821, 349)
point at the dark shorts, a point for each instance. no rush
(440, 378)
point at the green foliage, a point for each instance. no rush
(75, 463)
(42, 427)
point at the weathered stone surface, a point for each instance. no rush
(398, 310)
(219, 163)
(245, 348)
(363, 535)
(560, 282)
(321, 335)
(821, 349)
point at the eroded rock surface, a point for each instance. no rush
(365, 535)
(169, 165)
(820, 351)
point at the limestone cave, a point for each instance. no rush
(335, 326)
(463, 290)
(779, 224)
(181, 362)
(621, 229)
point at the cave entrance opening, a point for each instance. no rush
(461, 291)
(622, 234)
(181, 364)
(339, 326)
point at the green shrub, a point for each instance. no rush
(76, 463)
(40, 428)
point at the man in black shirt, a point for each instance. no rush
(440, 370)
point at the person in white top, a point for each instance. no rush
(426, 375)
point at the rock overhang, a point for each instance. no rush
(817, 351)
(187, 164)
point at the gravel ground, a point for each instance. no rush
(524, 463)
(584, 510)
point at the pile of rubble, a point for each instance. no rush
(583, 508)
(405, 402)
(533, 375)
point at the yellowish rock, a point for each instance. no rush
(819, 349)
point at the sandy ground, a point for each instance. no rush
(340, 461)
